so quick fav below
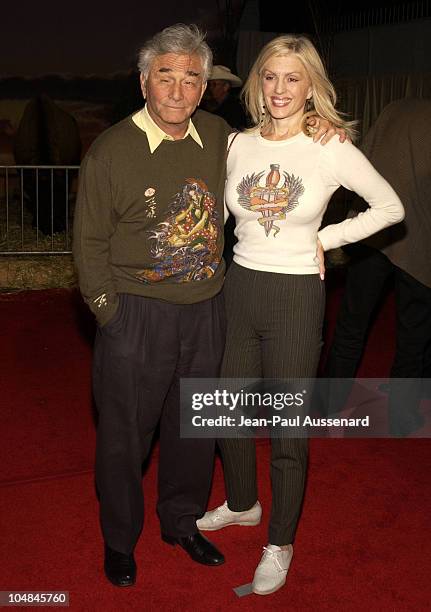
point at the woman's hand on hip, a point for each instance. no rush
(320, 259)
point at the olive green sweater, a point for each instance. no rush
(151, 224)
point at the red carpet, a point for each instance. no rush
(45, 367)
(364, 540)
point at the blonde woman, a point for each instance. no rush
(278, 186)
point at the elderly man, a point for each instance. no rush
(148, 239)
(148, 242)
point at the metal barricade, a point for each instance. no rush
(36, 209)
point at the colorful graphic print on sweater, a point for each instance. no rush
(185, 245)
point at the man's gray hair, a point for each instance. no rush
(180, 39)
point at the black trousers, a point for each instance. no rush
(368, 273)
(139, 359)
(274, 331)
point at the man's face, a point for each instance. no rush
(173, 90)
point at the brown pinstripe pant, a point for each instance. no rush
(274, 330)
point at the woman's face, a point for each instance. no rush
(285, 87)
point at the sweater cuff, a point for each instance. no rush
(104, 307)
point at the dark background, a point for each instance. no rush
(95, 37)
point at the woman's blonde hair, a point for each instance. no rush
(324, 96)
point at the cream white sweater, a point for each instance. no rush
(279, 191)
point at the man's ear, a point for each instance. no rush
(142, 80)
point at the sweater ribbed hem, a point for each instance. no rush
(314, 269)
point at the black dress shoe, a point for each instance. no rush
(198, 548)
(120, 569)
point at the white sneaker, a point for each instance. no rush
(223, 517)
(270, 574)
